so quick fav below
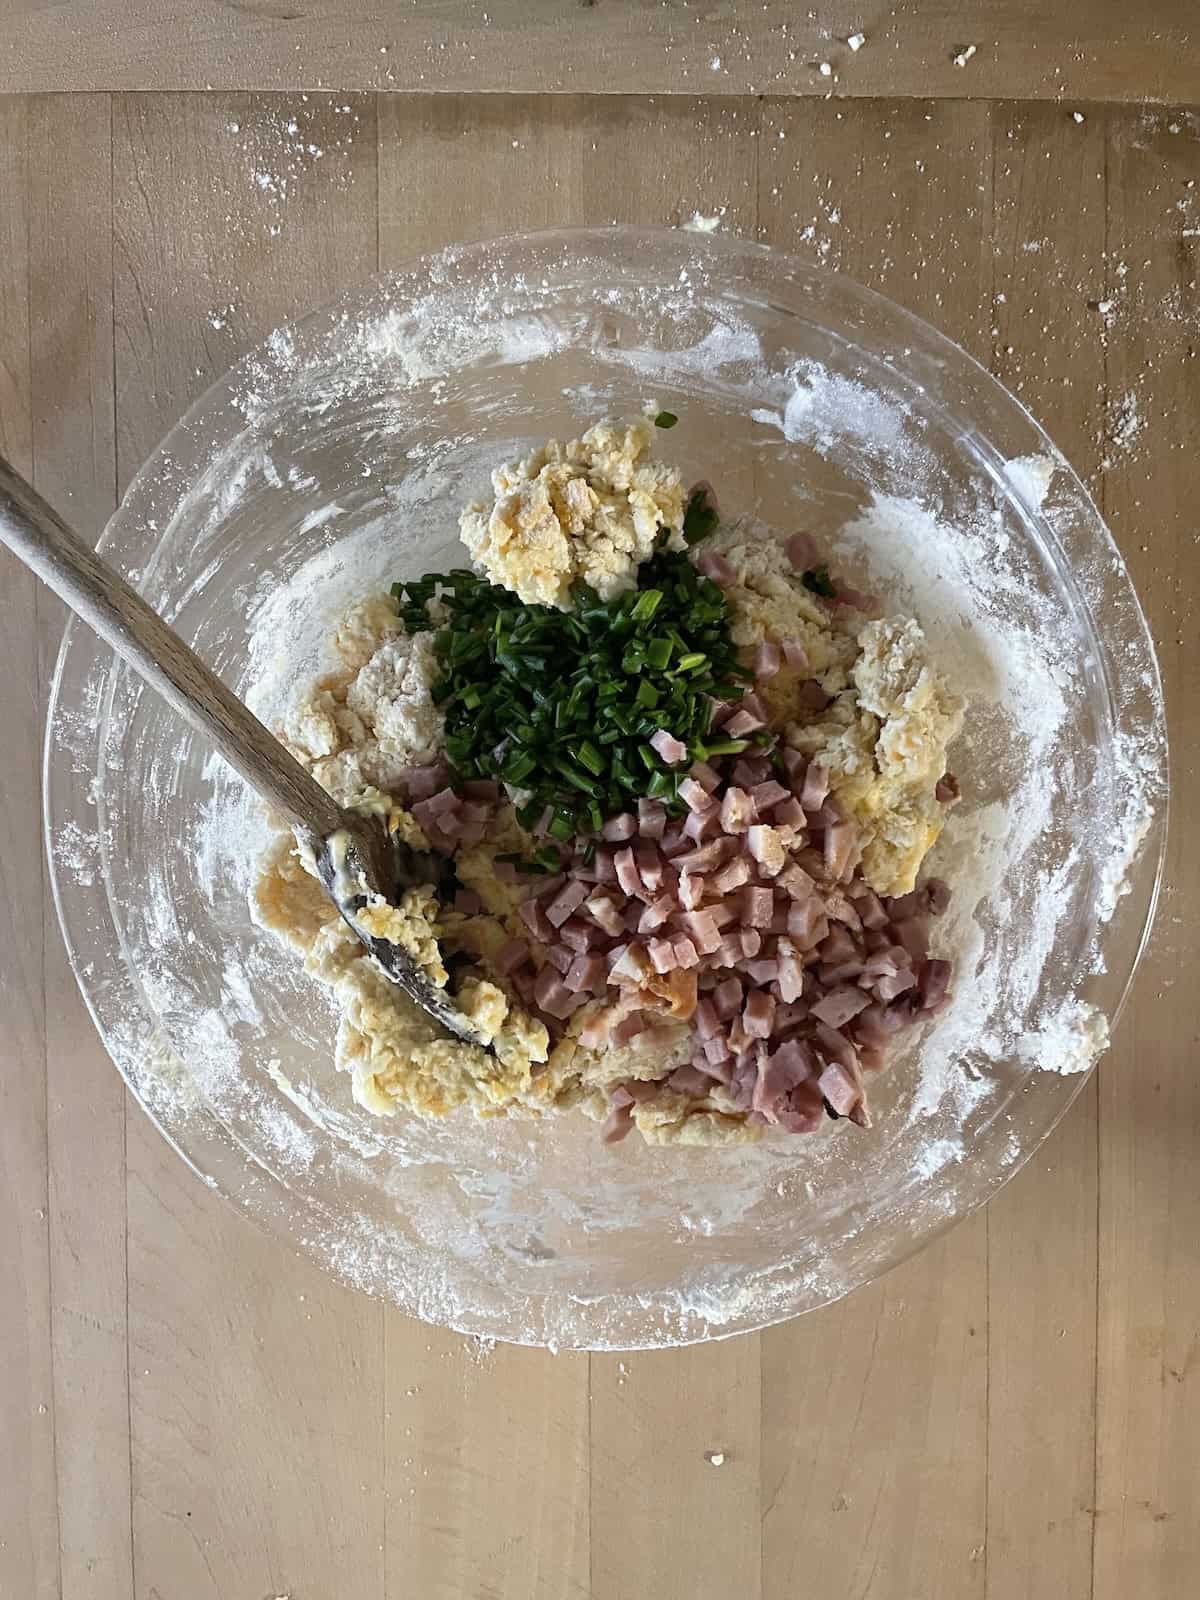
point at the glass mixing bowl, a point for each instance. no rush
(333, 461)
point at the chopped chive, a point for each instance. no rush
(665, 419)
(658, 653)
(590, 756)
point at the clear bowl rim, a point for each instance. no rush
(148, 483)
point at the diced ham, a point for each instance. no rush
(741, 723)
(630, 966)
(603, 909)
(617, 1124)
(533, 915)
(807, 923)
(834, 973)
(731, 953)
(652, 819)
(706, 1020)
(840, 908)
(758, 906)
(839, 1088)
(707, 777)
(749, 771)
(758, 1015)
(467, 903)
(510, 956)
(887, 988)
(567, 900)
(586, 972)
(662, 955)
(656, 913)
(763, 972)
(803, 1111)
(716, 1049)
(816, 786)
(733, 876)
(813, 697)
(802, 551)
(702, 927)
(728, 998)
(841, 842)
(768, 794)
(689, 1080)
(627, 872)
(796, 883)
(870, 909)
(649, 864)
(671, 749)
(947, 789)
(789, 813)
(791, 971)
(766, 847)
(901, 907)
(840, 1005)
(691, 891)
(751, 943)
(778, 1074)
(595, 1031)
(674, 840)
(579, 934)
(628, 1028)
(619, 828)
(839, 945)
(718, 1071)
(913, 935)
(795, 656)
(421, 783)
(767, 659)
(716, 567)
(702, 860)
(694, 795)
(737, 810)
(603, 867)
(933, 980)
(560, 957)
(686, 954)
(701, 825)
(551, 993)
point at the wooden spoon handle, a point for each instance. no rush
(39, 536)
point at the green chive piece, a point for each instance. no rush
(665, 419)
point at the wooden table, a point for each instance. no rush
(186, 1414)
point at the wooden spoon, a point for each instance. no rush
(354, 855)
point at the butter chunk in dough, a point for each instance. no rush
(585, 512)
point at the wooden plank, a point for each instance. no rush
(70, 243)
(676, 1477)
(256, 1382)
(28, 1503)
(874, 1413)
(1148, 1474)
(1047, 345)
(487, 1468)
(1098, 51)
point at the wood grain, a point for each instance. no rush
(257, 1406)
(1148, 1473)
(1008, 1416)
(70, 245)
(1047, 345)
(29, 1541)
(899, 198)
(1102, 49)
